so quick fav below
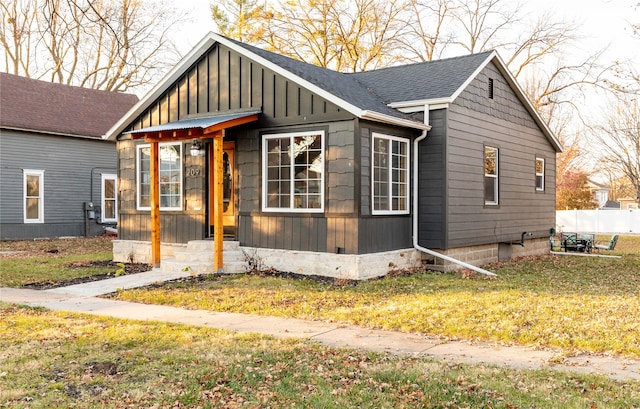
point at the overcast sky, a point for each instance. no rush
(604, 23)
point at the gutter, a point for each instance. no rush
(415, 208)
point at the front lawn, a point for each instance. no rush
(47, 263)
(62, 360)
(570, 302)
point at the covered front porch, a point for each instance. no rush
(195, 129)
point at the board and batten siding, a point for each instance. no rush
(73, 169)
(475, 121)
(223, 80)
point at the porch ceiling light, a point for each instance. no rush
(196, 148)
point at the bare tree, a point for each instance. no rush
(425, 38)
(619, 139)
(339, 34)
(116, 46)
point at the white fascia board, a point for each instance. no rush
(378, 117)
(172, 76)
(419, 105)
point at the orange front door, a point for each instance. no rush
(229, 188)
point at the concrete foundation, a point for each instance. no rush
(342, 266)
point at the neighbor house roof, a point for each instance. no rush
(390, 95)
(40, 106)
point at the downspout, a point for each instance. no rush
(415, 208)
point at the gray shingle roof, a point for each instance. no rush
(42, 106)
(373, 90)
(420, 81)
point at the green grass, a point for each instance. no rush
(18, 272)
(60, 360)
(575, 303)
(55, 260)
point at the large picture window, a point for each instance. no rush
(109, 198)
(490, 175)
(169, 172)
(390, 178)
(539, 174)
(33, 196)
(293, 172)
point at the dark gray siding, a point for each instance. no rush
(336, 229)
(176, 226)
(474, 121)
(432, 168)
(72, 176)
(380, 232)
(222, 80)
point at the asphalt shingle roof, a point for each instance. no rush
(57, 108)
(373, 90)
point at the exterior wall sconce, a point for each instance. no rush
(196, 148)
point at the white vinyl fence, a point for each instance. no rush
(598, 221)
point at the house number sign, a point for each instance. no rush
(194, 172)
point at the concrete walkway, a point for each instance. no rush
(84, 298)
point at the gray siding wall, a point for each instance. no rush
(474, 121)
(334, 230)
(432, 194)
(73, 169)
(176, 226)
(380, 232)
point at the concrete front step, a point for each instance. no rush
(191, 256)
(207, 245)
(201, 267)
(197, 258)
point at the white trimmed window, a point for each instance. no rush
(33, 196)
(293, 172)
(390, 176)
(539, 174)
(169, 173)
(491, 175)
(109, 204)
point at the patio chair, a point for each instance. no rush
(554, 245)
(610, 246)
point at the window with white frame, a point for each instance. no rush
(540, 174)
(169, 175)
(33, 196)
(390, 176)
(491, 175)
(109, 205)
(293, 172)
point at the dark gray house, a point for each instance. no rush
(53, 159)
(320, 172)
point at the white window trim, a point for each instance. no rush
(540, 188)
(146, 145)
(40, 174)
(375, 135)
(109, 176)
(291, 208)
(496, 189)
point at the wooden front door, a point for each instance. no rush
(229, 188)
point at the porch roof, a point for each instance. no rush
(206, 124)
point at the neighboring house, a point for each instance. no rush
(53, 160)
(600, 193)
(345, 175)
